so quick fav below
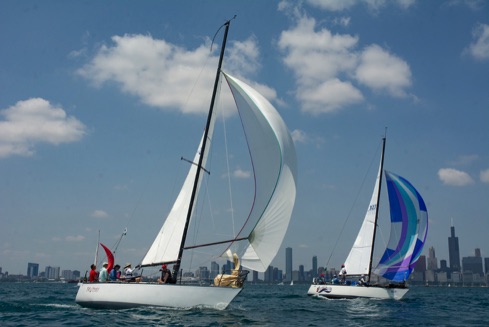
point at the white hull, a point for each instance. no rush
(130, 295)
(351, 292)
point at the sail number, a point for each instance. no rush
(372, 207)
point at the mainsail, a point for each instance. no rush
(409, 227)
(358, 261)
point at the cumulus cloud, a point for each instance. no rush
(375, 5)
(454, 177)
(100, 214)
(239, 173)
(167, 76)
(35, 121)
(484, 176)
(380, 70)
(299, 136)
(328, 66)
(479, 48)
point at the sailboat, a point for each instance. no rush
(273, 158)
(409, 227)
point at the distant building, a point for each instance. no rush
(432, 261)
(52, 272)
(288, 264)
(314, 266)
(453, 251)
(473, 264)
(443, 265)
(214, 269)
(67, 274)
(255, 276)
(268, 278)
(486, 265)
(420, 265)
(32, 270)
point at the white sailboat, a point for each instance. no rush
(409, 227)
(274, 166)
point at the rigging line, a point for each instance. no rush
(353, 204)
(116, 245)
(213, 38)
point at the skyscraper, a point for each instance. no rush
(288, 264)
(32, 270)
(453, 251)
(473, 264)
(314, 266)
(432, 261)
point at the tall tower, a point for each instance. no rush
(453, 251)
(32, 269)
(432, 261)
(288, 264)
(314, 266)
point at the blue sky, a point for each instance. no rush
(100, 99)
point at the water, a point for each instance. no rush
(52, 304)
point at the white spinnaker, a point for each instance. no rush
(274, 164)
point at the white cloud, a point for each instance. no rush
(343, 21)
(374, 5)
(479, 48)
(454, 177)
(484, 176)
(34, 121)
(327, 66)
(328, 96)
(332, 5)
(381, 70)
(472, 4)
(317, 58)
(100, 214)
(239, 173)
(76, 238)
(168, 76)
(299, 136)
(243, 57)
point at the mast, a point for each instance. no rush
(176, 267)
(377, 207)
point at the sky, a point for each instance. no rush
(99, 100)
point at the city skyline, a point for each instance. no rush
(426, 263)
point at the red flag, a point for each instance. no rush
(110, 258)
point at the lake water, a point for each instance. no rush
(52, 304)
